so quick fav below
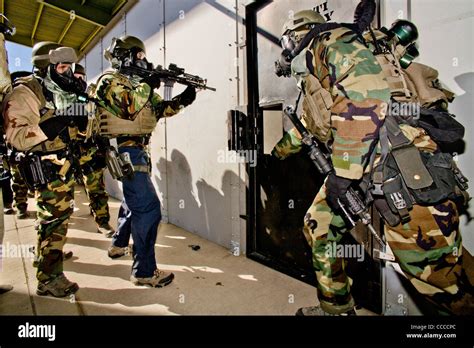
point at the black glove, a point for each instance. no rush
(188, 96)
(152, 80)
(336, 188)
(54, 126)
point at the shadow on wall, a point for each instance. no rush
(206, 212)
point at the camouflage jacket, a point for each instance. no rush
(124, 97)
(21, 116)
(348, 70)
(23, 110)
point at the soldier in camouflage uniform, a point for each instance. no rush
(345, 68)
(359, 95)
(428, 247)
(37, 121)
(129, 111)
(92, 164)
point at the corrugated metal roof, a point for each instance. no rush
(73, 23)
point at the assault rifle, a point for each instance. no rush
(356, 208)
(173, 74)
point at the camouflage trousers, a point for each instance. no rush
(54, 208)
(428, 249)
(19, 187)
(98, 198)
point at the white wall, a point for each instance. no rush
(446, 43)
(197, 193)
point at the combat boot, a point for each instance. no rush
(106, 230)
(8, 209)
(57, 287)
(159, 279)
(115, 251)
(318, 311)
(22, 213)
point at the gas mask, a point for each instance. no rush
(137, 59)
(116, 55)
(67, 81)
(121, 57)
(287, 41)
(283, 64)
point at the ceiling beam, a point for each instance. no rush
(89, 13)
(116, 18)
(89, 39)
(66, 28)
(38, 16)
(118, 6)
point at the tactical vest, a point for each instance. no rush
(317, 101)
(401, 88)
(111, 126)
(33, 84)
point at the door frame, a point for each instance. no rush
(254, 114)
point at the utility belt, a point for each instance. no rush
(133, 140)
(38, 172)
(406, 176)
(120, 165)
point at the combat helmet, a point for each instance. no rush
(79, 69)
(298, 26)
(123, 46)
(40, 53)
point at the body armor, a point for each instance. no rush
(111, 126)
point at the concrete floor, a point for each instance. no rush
(208, 281)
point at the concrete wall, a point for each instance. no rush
(197, 193)
(446, 34)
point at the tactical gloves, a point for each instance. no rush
(188, 96)
(54, 126)
(153, 81)
(336, 189)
